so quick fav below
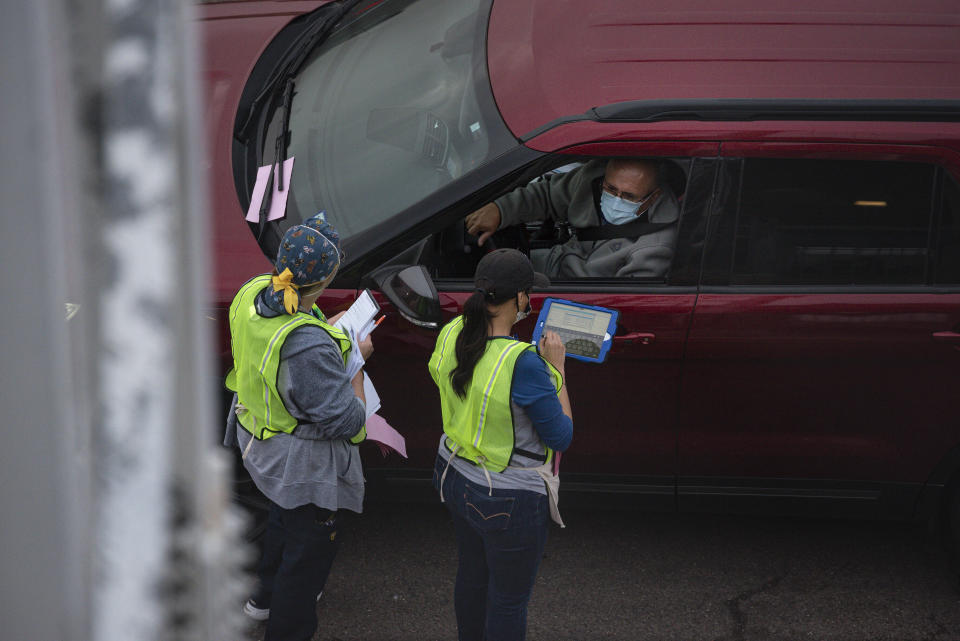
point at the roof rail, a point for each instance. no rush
(733, 109)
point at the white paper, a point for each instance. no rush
(356, 321)
(355, 361)
(363, 333)
(371, 396)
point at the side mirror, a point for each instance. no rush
(412, 292)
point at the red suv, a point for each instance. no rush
(802, 352)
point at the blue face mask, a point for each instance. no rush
(617, 210)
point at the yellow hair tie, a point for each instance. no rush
(291, 300)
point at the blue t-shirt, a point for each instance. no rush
(533, 390)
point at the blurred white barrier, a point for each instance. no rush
(116, 522)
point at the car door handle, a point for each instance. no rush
(947, 337)
(644, 338)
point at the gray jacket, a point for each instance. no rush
(316, 463)
(570, 198)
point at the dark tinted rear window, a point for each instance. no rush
(834, 222)
(948, 242)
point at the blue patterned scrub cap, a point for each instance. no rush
(308, 254)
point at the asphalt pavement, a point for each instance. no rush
(638, 576)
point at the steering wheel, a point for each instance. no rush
(458, 253)
(515, 237)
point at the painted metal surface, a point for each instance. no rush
(832, 386)
(550, 59)
(608, 439)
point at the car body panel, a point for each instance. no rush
(842, 384)
(833, 386)
(549, 59)
(654, 381)
(637, 447)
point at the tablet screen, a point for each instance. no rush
(581, 330)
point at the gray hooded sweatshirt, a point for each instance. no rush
(571, 198)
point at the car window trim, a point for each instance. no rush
(601, 285)
(480, 186)
(830, 289)
(746, 110)
(380, 244)
(579, 287)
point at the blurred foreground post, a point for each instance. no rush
(116, 516)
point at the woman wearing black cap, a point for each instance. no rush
(505, 416)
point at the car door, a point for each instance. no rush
(624, 409)
(821, 362)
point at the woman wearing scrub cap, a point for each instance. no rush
(297, 419)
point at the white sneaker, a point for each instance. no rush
(262, 614)
(255, 613)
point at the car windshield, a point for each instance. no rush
(393, 106)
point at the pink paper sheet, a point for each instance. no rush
(380, 431)
(278, 203)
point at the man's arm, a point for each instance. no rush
(530, 203)
(536, 201)
(483, 222)
(555, 196)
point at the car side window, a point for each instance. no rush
(947, 256)
(838, 222)
(556, 218)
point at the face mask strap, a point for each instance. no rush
(526, 312)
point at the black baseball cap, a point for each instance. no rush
(504, 272)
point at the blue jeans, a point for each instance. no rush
(500, 541)
(298, 551)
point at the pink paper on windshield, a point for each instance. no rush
(380, 431)
(278, 201)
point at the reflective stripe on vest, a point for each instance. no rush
(256, 343)
(481, 423)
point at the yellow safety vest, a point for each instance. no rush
(481, 423)
(256, 342)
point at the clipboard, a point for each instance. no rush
(586, 330)
(359, 319)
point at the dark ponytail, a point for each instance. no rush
(472, 341)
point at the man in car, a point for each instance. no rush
(598, 194)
